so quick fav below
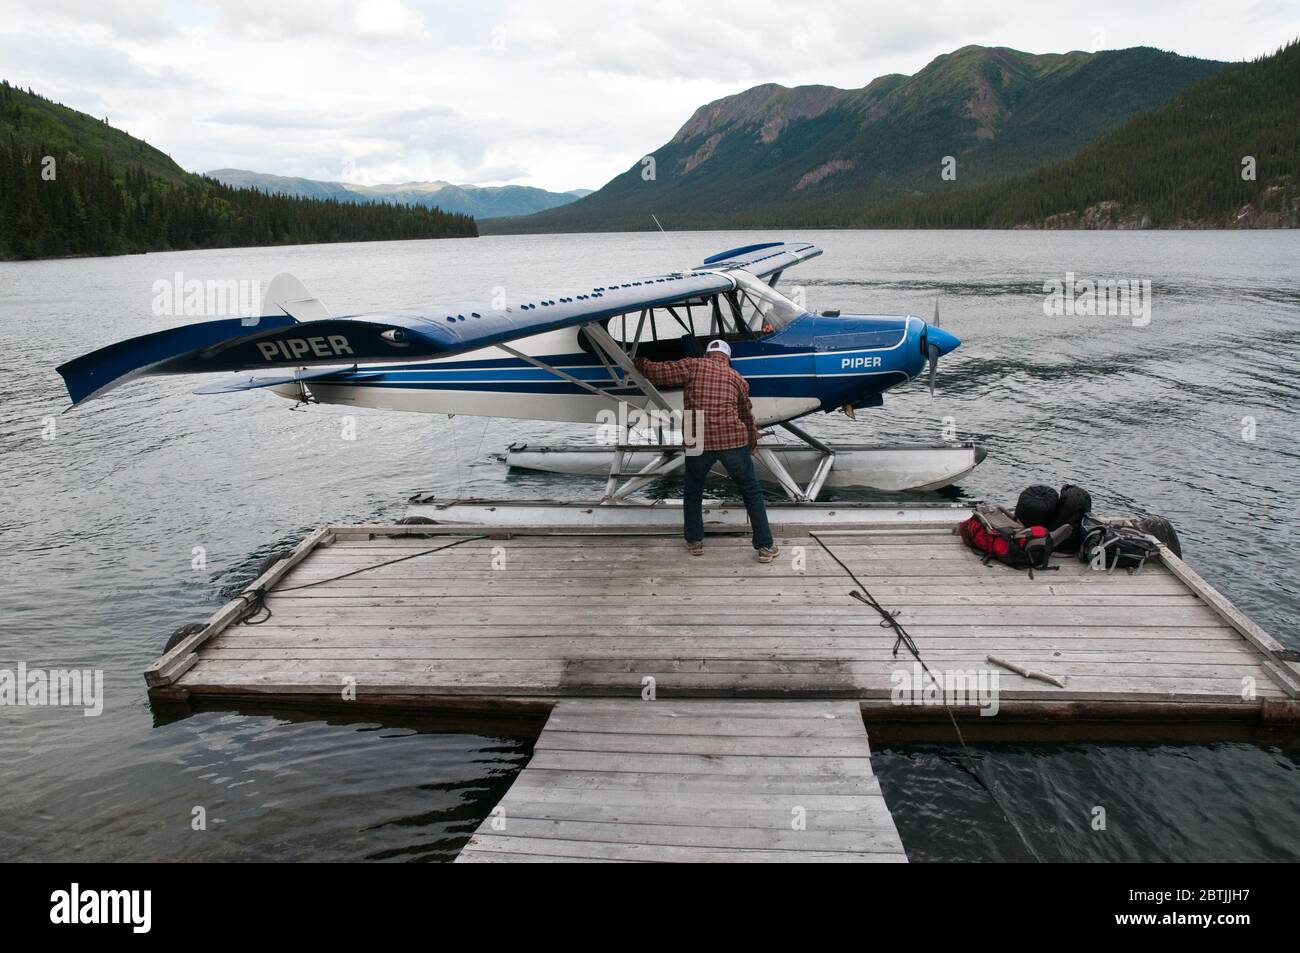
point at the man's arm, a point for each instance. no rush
(666, 373)
(745, 409)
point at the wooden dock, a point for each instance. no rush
(493, 617)
(697, 780)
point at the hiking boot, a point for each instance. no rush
(695, 549)
(768, 553)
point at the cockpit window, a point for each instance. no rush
(754, 309)
(765, 309)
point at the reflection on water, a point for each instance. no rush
(237, 787)
(100, 528)
(1158, 803)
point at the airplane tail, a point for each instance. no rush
(296, 331)
(173, 351)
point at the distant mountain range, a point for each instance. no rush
(822, 156)
(479, 201)
(1224, 153)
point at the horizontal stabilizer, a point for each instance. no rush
(92, 374)
(233, 385)
(768, 258)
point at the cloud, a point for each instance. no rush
(389, 19)
(284, 19)
(140, 18)
(101, 71)
(560, 95)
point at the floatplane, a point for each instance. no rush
(570, 358)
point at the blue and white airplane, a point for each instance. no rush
(566, 358)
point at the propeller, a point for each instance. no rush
(932, 350)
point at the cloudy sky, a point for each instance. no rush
(559, 95)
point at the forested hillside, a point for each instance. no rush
(73, 185)
(1180, 165)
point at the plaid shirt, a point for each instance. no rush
(712, 388)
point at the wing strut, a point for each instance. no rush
(669, 459)
(788, 483)
(542, 365)
(600, 337)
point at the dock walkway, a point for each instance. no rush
(719, 781)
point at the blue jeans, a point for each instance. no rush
(740, 467)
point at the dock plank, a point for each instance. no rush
(595, 788)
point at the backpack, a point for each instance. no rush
(1075, 504)
(1156, 526)
(1121, 546)
(1037, 505)
(995, 534)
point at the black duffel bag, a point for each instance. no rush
(1075, 503)
(1037, 505)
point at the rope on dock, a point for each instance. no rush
(889, 620)
(256, 598)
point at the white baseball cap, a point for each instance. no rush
(720, 345)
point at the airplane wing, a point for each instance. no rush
(283, 343)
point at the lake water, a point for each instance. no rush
(99, 525)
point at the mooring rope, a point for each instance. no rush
(256, 598)
(889, 620)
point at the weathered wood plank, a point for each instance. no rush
(811, 744)
(724, 600)
(792, 582)
(671, 551)
(1046, 638)
(1113, 617)
(489, 650)
(557, 849)
(581, 783)
(550, 790)
(880, 566)
(511, 857)
(603, 670)
(627, 828)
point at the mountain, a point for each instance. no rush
(31, 119)
(479, 201)
(71, 184)
(1179, 165)
(819, 155)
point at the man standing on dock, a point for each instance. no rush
(717, 396)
